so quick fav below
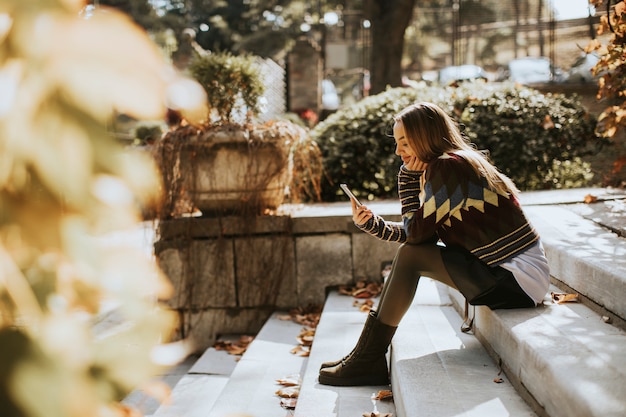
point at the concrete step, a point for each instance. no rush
(584, 257)
(201, 386)
(337, 332)
(563, 358)
(219, 385)
(251, 388)
(436, 369)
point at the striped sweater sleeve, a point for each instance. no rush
(408, 190)
(384, 230)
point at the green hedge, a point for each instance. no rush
(528, 135)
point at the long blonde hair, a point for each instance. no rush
(431, 133)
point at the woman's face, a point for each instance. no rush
(403, 150)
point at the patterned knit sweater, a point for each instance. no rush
(450, 202)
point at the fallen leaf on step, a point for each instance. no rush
(307, 316)
(365, 305)
(560, 298)
(289, 392)
(288, 403)
(306, 336)
(607, 319)
(384, 394)
(300, 350)
(377, 414)
(590, 199)
(234, 348)
(362, 289)
(290, 380)
(498, 380)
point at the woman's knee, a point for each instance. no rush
(416, 255)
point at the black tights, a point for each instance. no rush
(410, 263)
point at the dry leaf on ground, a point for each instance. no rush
(307, 316)
(362, 289)
(377, 414)
(234, 348)
(289, 392)
(290, 380)
(300, 350)
(498, 380)
(364, 306)
(560, 298)
(590, 199)
(381, 395)
(306, 336)
(288, 403)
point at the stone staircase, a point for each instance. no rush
(558, 360)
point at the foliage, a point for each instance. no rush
(611, 69)
(233, 84)
(525, 132)
(65, 184)
(356, 146)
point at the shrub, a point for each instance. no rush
(233, 84)
(357, 146)
(525, 132)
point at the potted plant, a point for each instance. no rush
(231, 162)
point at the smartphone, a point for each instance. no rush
(346, 190)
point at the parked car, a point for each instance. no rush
(580, 72)
(534, 70)
(459, 73)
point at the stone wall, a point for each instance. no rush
(230, 274)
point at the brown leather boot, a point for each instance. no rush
(372, 314)
(367, 363)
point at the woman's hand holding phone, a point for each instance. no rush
(360, 213)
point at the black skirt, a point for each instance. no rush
(481, 284)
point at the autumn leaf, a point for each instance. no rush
(590, 199)
(560, 298)
(300, 350)
(384, 394)
(289, 392)
(234, 348)
(498, 380)
(305, 338)
(288, 403)
(307, 316)
(362, 289)
(377, 414)
(290, 380)
(364, 306)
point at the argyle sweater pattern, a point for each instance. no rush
(459, 209)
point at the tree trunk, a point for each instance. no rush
(389, 19)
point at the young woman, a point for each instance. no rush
(450, 193)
